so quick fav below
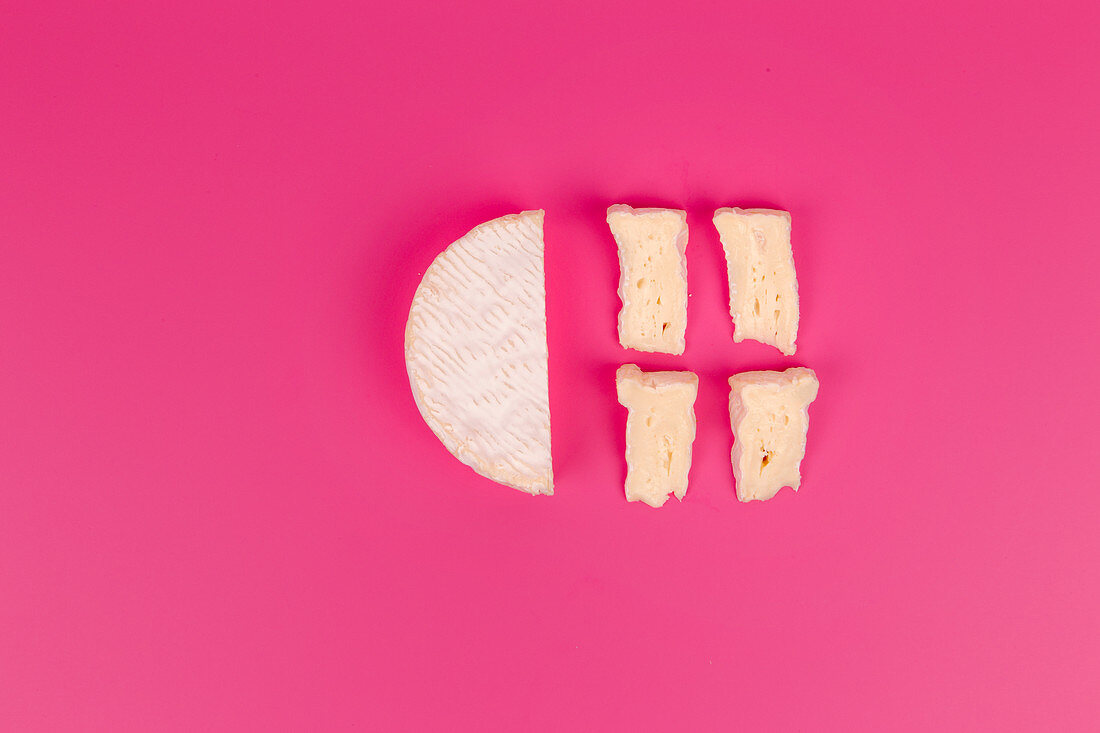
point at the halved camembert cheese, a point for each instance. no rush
(475, 350)
(770, 416)
(763, 287)
(653, 277)
(660, 428)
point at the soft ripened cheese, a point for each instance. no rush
(475, 350)
(769, 414)
(652, 277)
(763, 288)
(660, 428)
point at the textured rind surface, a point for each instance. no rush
(745, 326)
(748, 393)
(680, 242)
(678, 391)
(476, 353)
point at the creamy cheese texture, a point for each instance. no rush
(475, 350)
(763, 287)
(660, 429)
(769, 415)
(652, 277)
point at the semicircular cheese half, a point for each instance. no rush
(475, 349)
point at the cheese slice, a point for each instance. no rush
(475, 350)
(653, 277)
(769, 414)
(660, 428)
(763, 288)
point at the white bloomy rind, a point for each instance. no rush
(660, 429)
(769, 413)
(653, 277)
(763, 286)
(475, 350)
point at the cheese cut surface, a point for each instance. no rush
(660, 428)
(769, 415)
(763, 287)
(475, 350)
(653, 277)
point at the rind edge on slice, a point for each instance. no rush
(476, 352)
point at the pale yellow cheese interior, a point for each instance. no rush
(653, 277)
(762, 283)
(770, 417)
(660, 429)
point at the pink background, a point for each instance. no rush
(220, 509)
